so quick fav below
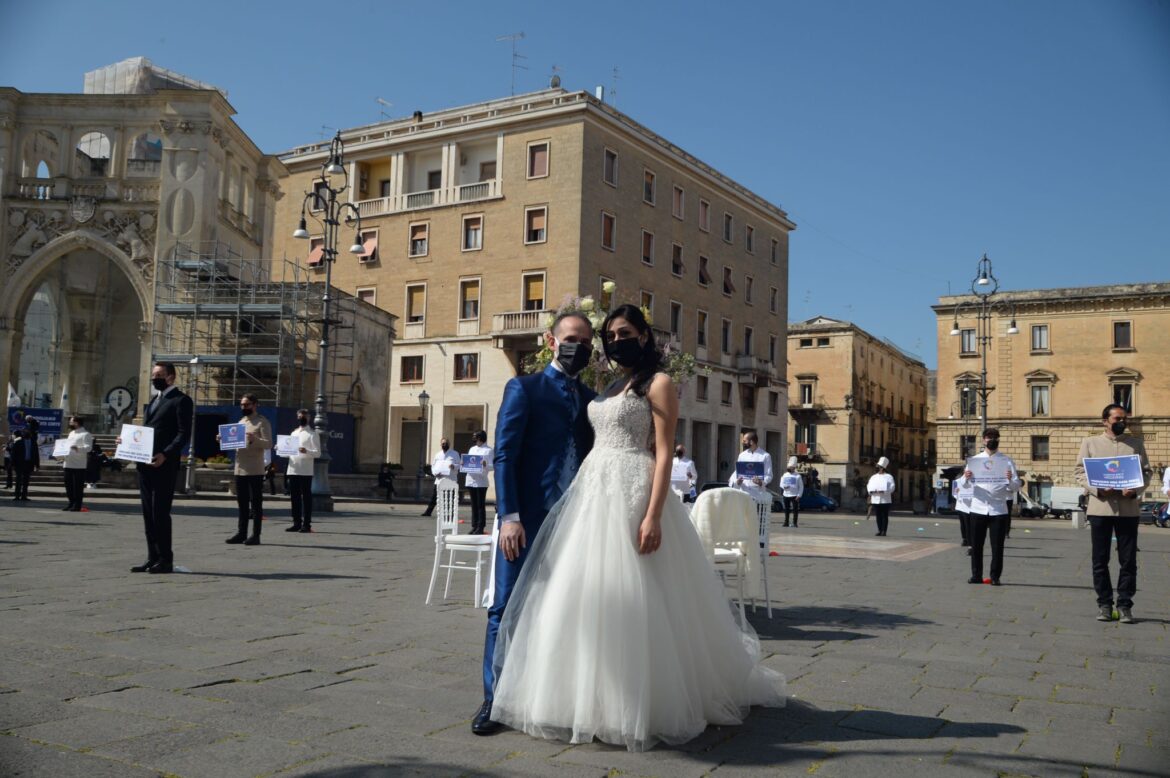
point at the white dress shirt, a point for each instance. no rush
(1166, 482)
(445, 464)
(302, 464)
(791, 484)
(687, 465)
(881, 488)
(991, 499)
(80, 442)
(757, 492)
(480, 480)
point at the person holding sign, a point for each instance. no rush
(78, 445)
(683, 475)
(791, 488)
(444, 465)
(993, 479)
(168, 418)
(26, 457)
(477, 463)
(1114, 510)
(301, 446)
(881, 495)
(249, 471)
(753, 469)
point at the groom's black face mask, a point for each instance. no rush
(574, 357)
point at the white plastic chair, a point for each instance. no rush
(449, 541)
(764, 515)
(725, 523)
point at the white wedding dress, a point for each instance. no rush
(598, 641)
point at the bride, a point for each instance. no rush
(618, 628)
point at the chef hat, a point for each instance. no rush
(883, 463)
(791, 461)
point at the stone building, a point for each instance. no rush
(478, 221)
(856, 397)
(1076, 350)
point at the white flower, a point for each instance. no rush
(548, 321)
(608, 287)
(587, 304)
(596, 320)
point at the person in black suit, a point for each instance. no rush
(26, 458)
(169, 415)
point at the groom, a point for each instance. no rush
(542, 434)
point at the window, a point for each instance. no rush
(747, 396)
(1041, 401)
(676, 260)
(704, 216)
(966, 341)
(534, 224)
(412, 370)
(701, 388)
(725, 393)
(823, 343)
(774, 255)
(608, 230)
(533, 285)
(806, 343)
(747, 289)
(773, 299)
(704, 274)
(678, 203)
(726, 337)
(749, 239)
(487, 170)
(806, 394)
(367, 294)
(538, 159)
(384, 187)
(748, 340)
(675, 319)
(773, 403)
(1123, 396)
(728, 227)
(701, 328)
(609, 167)
(648, 187)
(772, 341)
(646, 302)
(648, 247)
(467, 367)
(469, 299)
(966, 446)
(1039, 448)
(320, 196)
(968, 402)
(1122, 335)
(1040, 337)
(472, 233)
(316, 257)
(416, 303)
(728, 284)
(434, 179)
(418, 239)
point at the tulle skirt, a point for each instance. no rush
(600, 642)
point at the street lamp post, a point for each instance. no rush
(196, 368)
(424, 400)
(984, 287)
(330, 211)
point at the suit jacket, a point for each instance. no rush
(170, 418)
(533, 429)
(26, 461)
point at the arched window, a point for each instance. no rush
(40, 155)
(92, 156)
(145, 155)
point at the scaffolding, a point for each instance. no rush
(254, 324)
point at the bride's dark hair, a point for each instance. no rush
(651, 359)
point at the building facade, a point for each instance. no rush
(1076, 350)
(854, 398)
(479, 221)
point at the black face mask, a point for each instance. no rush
(444, 447)
(246, 411)
(159, 383)
(303, 421)
(574, 357)
(680, 453)
(747, 446)
(626, 352)
(1118, 427)
(992, 444)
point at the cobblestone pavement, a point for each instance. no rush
(314, 655)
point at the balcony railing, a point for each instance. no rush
(101, 188)
(430, 198)
(519, 322)
(142, 167)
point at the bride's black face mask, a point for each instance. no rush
(574, 357)
(626, 352)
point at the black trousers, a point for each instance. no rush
(1103, 528)
(156, 488)
(792, 505)
(882, 512)
(75, 486)
(23, 475)
(478, 495)
(300, 489)
(965, 527)
(7, 473)
(250, 499)
(981, 526)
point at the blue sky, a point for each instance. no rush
(905, 137)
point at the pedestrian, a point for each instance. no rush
(1114, 512)
(683, 475)
(962, 494)
(477, 483)
(444, 465)
(26, 458)
(881, 495)
(8, 444)
(249, 471)
(791, 489)
(754, 485)
(299, 474)
(993, 478)
(80, 442)
(1164, 522)
(169, 415)
(93, 465)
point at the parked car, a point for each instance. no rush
(1030, 509)
(1154, 513)
(1066, 499)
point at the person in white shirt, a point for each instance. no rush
(754, 486)
(80, 442)
(791, 488)
(299, 474)
(993, 479)
(444, 465)
(477, 483)
(683, 466)
(1165, 521)
(881, 495)
(963, 508)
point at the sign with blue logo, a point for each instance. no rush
(233, 436)
(749, 469)
(47, 420)
(1124, 472)
(471, 463)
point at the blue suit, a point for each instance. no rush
(539, 416)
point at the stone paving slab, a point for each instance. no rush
(315, 656)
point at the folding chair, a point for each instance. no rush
(449, 541)
(724, 522)
(764, 515)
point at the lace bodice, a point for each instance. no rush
(622, 422)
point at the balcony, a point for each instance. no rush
(753, 370)
(103, 189)
(515, 328)
(431, 198)
(807, 452)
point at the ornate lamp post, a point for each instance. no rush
(195, 370)
(984, 287)
(327, 209)
(424, 400)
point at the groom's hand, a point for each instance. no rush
(512, 539)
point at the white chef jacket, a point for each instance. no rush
(758, 493)
(80, 442)
(1166, 482)
(480, 480)
(445, 464)
(308, 439)
(881, 488)
(791, 484)
(989, 500)
(692, 474)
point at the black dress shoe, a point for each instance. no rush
(252, 541)
(305, 529)
(162, 567)
(67, 508)
(973, 579)
(995, 582)
(482, 724)
(294, 528)
(142, 568)
(239, 537)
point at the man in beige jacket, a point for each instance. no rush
(1113, 512)
(249, 471)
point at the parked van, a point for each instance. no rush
(1066, 499)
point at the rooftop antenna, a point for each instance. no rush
(554, 81)
(382, 106)
(613, 88)
(516, 56)
(325, 131)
